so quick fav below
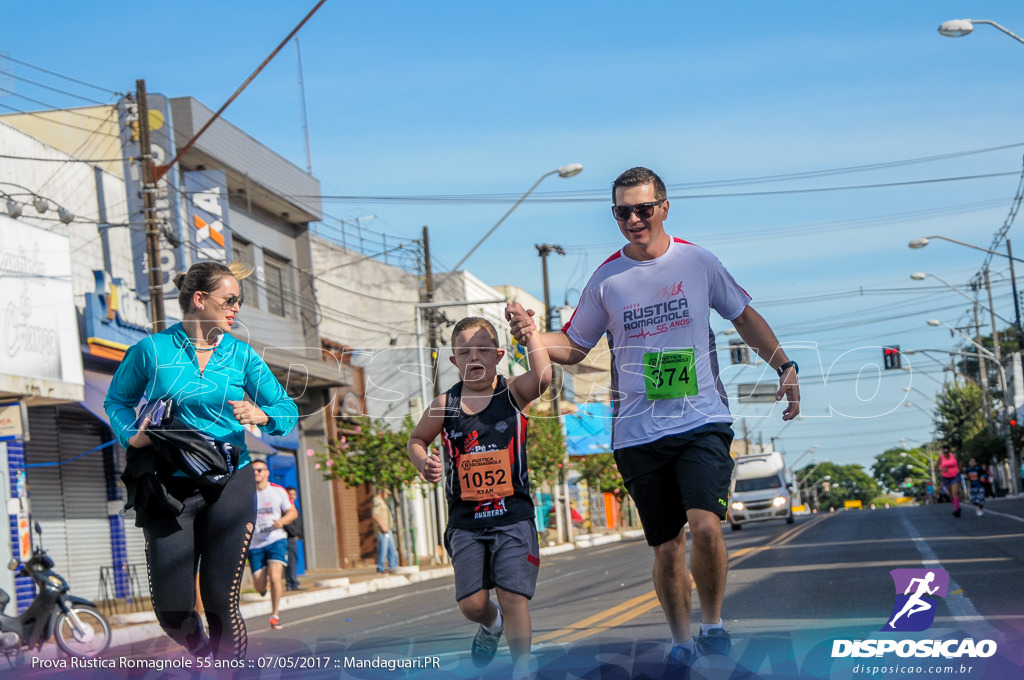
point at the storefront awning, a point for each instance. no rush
(299, 372)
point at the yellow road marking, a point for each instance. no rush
(583, 623)
(611, 623)
(640, 605)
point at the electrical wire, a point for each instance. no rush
(105, 90)
(62, 160)
(52, 108)
(54, 89)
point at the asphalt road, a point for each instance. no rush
(792, 591)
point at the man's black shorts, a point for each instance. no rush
(676, 473)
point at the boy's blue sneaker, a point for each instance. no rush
(715, 641)
(485, 646)
(679, 661)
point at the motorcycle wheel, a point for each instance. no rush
(90, 640)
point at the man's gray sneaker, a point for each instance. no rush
(715, 641)
(485, 646)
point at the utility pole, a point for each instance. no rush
(1016, 299)
(156, 288)
(563, 515)
(440, 515)
(996, 348)
(983, 376)
(430, 313)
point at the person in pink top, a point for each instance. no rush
(949, 468)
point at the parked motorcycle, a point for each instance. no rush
(78, 627)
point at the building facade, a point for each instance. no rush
(229, 198)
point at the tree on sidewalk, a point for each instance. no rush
(891, 469)
(376, 455)
(601, 473)
(545, 447)
(959, 415)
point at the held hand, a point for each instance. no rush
(520, 321)
(248, 413)
(140, 439)
(789, 387)
(432, 469)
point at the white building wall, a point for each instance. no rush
(370, 306)
(71, 184)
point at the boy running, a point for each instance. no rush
(492, 535)
(977, 476)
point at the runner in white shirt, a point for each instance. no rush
(671, 428)
(268, 552)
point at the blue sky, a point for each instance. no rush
(461, 98)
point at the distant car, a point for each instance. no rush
(759, 492)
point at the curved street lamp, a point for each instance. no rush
(570, 170)
(928, 463)
(924, 240)
(957, 28)
(921, 276)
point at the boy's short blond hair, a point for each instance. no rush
(472, 322)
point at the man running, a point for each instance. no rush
(671, 428)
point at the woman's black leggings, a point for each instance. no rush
(212, 535)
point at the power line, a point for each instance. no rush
(59, 75)
(57, 90)
(62, 160)
(546, 199)
(50, 107)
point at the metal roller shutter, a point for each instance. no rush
(46, 501)
(72, 497)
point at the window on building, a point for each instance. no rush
(243, 253)
(277, 277)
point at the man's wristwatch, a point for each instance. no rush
(788, 364)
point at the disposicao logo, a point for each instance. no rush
(916, 590)
(914, 608)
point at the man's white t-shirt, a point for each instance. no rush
(271, 504)
(656, 314)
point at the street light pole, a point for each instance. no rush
(570, 170)
(563, 515)
(928, 462)
(1011, 455)
(923, 241)
(957, 28)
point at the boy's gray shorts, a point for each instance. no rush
(506, 557)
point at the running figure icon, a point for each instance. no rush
(916, 604)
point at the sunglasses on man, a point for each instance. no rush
(642, 210)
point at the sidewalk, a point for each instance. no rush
(323, 585)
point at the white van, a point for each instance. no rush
(759, 492)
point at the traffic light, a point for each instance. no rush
(739, 352)
(891, 356)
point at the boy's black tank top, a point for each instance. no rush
(492, 440)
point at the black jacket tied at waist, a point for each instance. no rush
(178, 452)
